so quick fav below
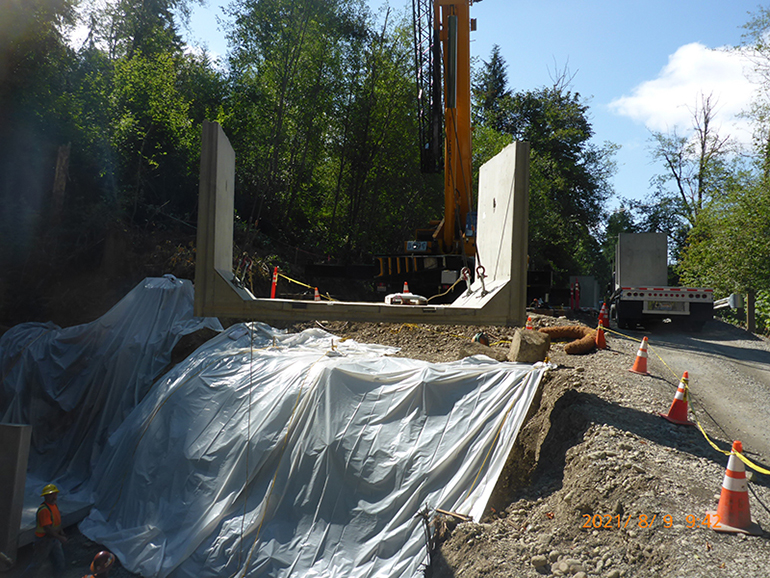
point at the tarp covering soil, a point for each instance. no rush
(274, 454)
(264, 453)
(76, 385)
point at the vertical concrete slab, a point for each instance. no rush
(503, 231)
(504, 211)
(14, 452)
(214, 249)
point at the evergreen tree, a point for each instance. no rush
(490, 93)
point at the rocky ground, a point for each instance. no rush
(597, 484)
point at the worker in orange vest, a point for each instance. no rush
(101, 565)
(49, 536)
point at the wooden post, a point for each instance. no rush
(751, 324)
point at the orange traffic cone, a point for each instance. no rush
(640, 364)
(406, 288)
(601, 342)
(678, 412)
(317, 296)
(733, 513)
(529, 323)
(604, 318)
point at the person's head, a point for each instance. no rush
(50, 493)
(102, 563)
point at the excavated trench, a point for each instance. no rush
(555, 423)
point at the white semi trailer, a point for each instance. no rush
(642, 295)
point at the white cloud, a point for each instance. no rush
(667, 102)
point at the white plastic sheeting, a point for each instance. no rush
(76, 385)
(271, 454)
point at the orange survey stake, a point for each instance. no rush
(621, 522)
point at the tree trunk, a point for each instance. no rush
(60, 183)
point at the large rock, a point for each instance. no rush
(529, 346)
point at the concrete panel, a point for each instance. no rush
(216, 198)
(503, 221)
(641, 260)
(590, 293)
(500, 300)
(14, 452)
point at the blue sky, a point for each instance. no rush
(640, 65)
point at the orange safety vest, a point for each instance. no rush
(55, 516)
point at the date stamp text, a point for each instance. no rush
(620, 522)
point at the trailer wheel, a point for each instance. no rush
(621, 323)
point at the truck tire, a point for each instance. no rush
(628, 315)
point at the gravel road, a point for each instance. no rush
(729, 372)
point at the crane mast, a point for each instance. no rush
(439, 255)
(442, 45)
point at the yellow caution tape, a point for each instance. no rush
(751, 464)
(295, 281)
(327, 296)
(743, 458)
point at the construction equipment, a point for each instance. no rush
(642, 294)
(435, 257)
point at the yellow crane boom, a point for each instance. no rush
(452, 23)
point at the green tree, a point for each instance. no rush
(379, 191)
(695, 168)
(569, 180)
(284, 61)
(34, 99)
(569, 174)
(321, 116)
(491, 94)
(144, 131)
(729, 248)
(755, 38)
(152, 131)
(127, 27)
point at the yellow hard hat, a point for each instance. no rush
(49, 489)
